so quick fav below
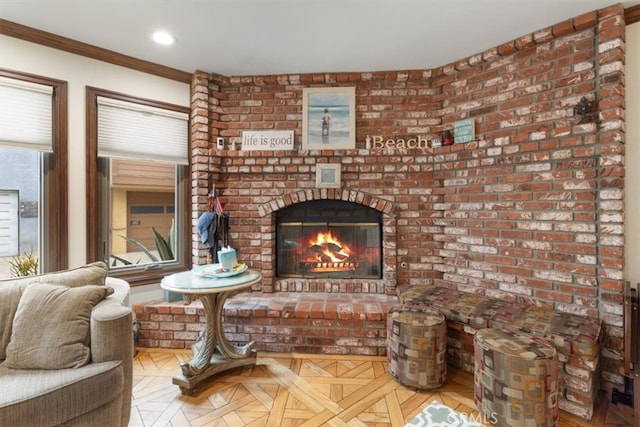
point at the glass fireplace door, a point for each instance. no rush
(329, 249)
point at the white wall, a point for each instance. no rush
(80, 72)
(632, 155)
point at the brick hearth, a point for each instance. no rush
(322, 323)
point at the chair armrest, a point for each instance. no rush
(112, 339)
(111, 331)
(121, 290)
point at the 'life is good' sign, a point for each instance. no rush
(267, 140)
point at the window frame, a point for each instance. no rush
(54, 195)
(97, 197)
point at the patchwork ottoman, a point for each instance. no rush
(417, 344)
(515, 379)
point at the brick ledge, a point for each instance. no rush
(310, 323)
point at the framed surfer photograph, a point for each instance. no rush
(328, 118)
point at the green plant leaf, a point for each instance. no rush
(161, 245)
(171, 238)
(166, 248)
(116, 258)
(24, 265)
(142, 247)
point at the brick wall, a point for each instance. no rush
(530, 211)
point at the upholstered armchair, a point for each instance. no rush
(66, 349)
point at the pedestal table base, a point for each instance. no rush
(212, 352)
(218, 364)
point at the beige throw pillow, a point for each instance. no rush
(51, 327)
(89, 274)
(11, 291)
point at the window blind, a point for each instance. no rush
(134, 131)
(26, 115)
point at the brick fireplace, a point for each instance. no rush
(379, 280)
(530, 211)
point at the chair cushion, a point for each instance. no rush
(515, 378)
(56, 396)
(417, 346)
(569, 333)
(51, 327)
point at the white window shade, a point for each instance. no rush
(134, 131)
(26, 112)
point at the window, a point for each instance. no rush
(33, 172)
(138, 185)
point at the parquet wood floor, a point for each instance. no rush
(286, 390)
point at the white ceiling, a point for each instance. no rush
(258, 37)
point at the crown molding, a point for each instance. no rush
(632, 14)
(55, 41)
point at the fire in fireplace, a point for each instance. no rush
(325, 253)
(329, 238)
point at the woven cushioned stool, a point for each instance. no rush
(516, 379)
(417, 346)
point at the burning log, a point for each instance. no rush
(316, 248)
(326, 253)
(334, 248)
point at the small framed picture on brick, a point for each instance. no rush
(328, 118)
(328, 175)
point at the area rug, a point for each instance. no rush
(439, 415)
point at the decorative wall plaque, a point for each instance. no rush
(267, 140)
(464, 131)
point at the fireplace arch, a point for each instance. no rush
(384, 284)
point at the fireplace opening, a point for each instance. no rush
(329, 239)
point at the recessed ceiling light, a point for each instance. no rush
(163, 38)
